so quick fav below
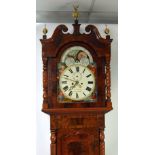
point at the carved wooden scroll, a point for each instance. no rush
(93, 31)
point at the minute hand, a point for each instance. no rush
(69, 79)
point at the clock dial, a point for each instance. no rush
(77, 82)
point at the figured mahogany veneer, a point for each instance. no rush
(76, 129)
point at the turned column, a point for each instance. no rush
(53, 142)
(102, 143)
(45, 74)
(108, 82)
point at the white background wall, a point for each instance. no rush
(111, 119)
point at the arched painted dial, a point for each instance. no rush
(77, 82)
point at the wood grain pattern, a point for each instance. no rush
(78, 141)
(76, 129)
(77, 121)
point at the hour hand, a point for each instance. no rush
(71, 87)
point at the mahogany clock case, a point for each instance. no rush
(52, 51)
(53, 59)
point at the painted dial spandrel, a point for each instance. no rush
(77, 82)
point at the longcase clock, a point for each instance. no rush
(76, 89)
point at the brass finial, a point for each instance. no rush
(106, 30)
(75, 13)
(45, 30)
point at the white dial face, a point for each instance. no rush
(77, 82)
